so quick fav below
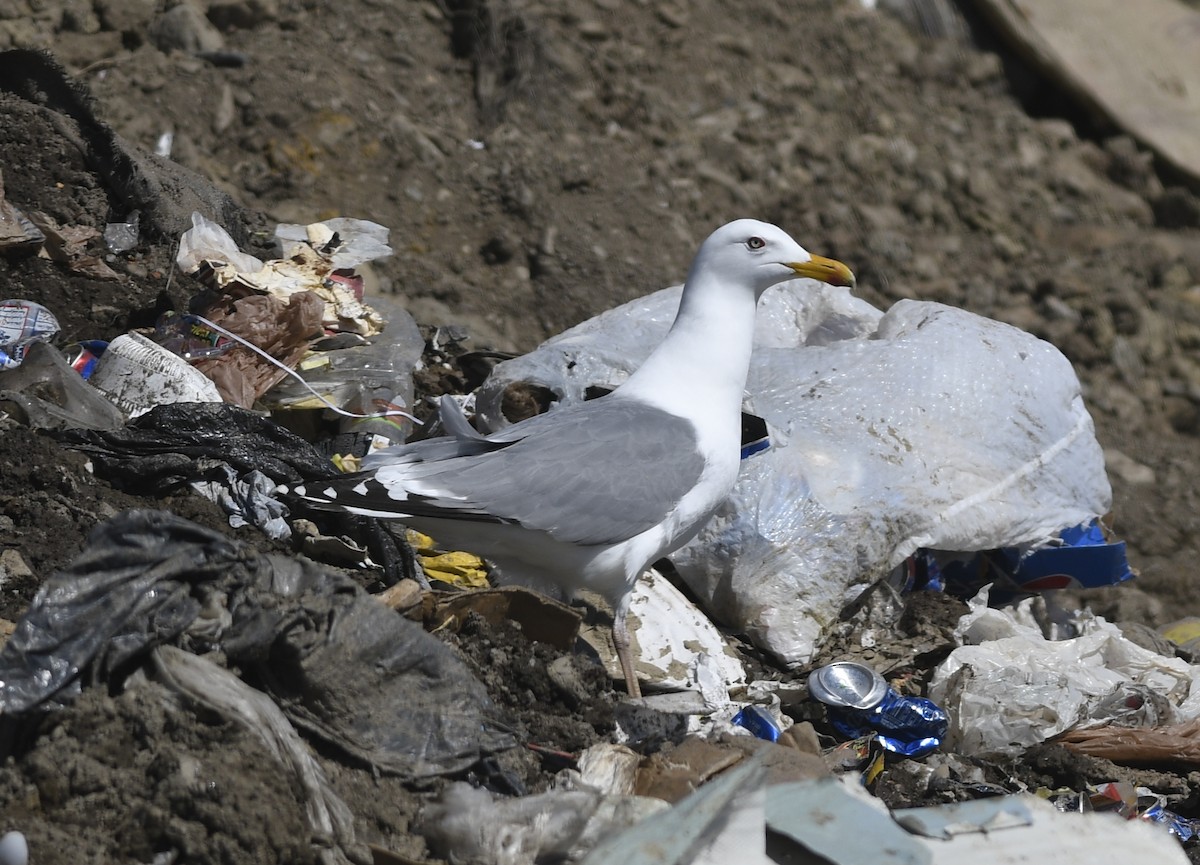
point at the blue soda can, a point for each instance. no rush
(860, 703)
(759, 722)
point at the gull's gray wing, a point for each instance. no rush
(597, 472)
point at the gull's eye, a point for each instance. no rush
(756, 243)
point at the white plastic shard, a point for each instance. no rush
(676, 646)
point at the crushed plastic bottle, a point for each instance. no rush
(368, 379)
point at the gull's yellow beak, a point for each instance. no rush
(822, 269)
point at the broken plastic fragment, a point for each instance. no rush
(957, 818)
(122, 236)
(721, 822)
(137, 375)
(1081, 558)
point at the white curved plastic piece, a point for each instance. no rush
(676, 647)
(927, 426)
(137, 374)
(208, 241)
(14, 849)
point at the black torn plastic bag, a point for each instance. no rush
(341, 665)
(156, 452)
(172, 445)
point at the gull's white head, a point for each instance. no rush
(759, 255)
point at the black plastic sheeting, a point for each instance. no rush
(172, 445)
(157, 451)
(341, 665)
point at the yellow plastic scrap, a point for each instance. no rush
(347, 463)
(458, 568)
(1183, 631)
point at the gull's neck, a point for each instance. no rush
(700, 367)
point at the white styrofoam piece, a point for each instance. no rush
(676, 647)
(137, 374)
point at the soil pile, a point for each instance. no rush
(536, 164)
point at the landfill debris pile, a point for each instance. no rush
(945, 616)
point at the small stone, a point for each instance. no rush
(125, 16)
(1125, 467)
(1007, 247)
(226, 110)
(78, 16)
(593, 31)
(242, 14)
(1057, 132)
(13, 566)
(184, 28)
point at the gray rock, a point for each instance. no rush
(125, 16)
(184, 28)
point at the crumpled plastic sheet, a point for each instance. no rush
(360, 240)
(341, 665)
(1008, 687)
(173, 445)
(45, 392)
(922, 427)
(283, 328)
(248, 500)
(470, 826)
(155, 451)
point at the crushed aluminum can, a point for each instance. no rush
(847, 685)
(83, 356)
(1181, 827)
(759, 722)
(858, 706)
(23, 322)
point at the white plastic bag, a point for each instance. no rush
(208, 241)
(1009, 687)
(944, 430)
(603, 351)
(927, 426)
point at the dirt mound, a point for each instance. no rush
(537, 163)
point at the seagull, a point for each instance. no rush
(589, 495)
